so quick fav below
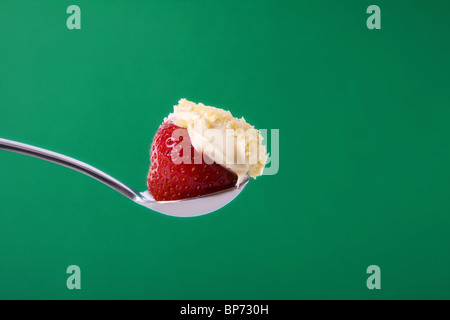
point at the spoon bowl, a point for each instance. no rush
(190, 207)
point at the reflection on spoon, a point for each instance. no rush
(190, 207)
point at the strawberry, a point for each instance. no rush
(168, 180)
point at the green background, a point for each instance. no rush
(364, 148)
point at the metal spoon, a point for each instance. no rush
(179, 208)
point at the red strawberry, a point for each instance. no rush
(170, 181)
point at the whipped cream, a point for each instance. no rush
(230, 142)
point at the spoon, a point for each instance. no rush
(190, 207)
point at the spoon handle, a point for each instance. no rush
(70, 163)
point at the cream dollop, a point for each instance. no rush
(230, 142)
